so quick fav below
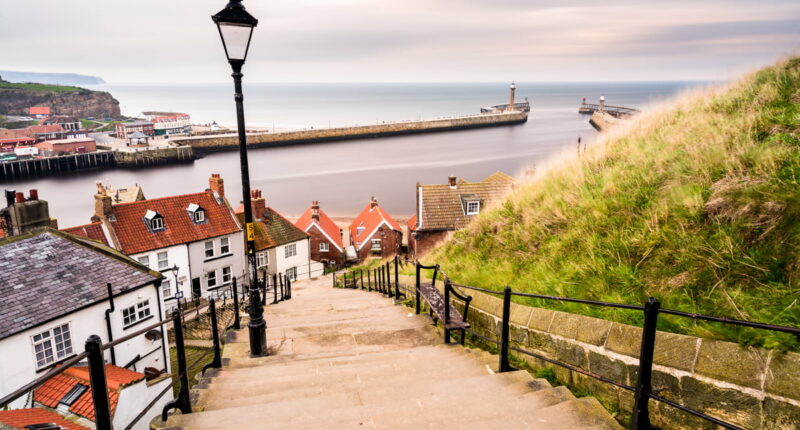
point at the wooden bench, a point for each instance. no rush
(440, 306)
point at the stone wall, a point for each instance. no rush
(216, 143)
(749, 387)
(153, 157)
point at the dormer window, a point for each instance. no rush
(359, 230)
(197, 213)
(473, 207)
(154, 220)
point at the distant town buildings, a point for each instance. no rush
(375, 233)
(39, 112)
(125, 129)
(67, 146)
(67, 123)
(169, 123)
(326, 236)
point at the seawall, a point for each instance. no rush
(257, 140)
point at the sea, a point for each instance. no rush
(344, 175)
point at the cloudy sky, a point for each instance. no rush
(402, 40)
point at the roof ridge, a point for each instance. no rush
(161, 198)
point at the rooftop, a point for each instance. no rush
(325, 224)
(22, 418)
(274, 230)
(93, 231)
(371, 218)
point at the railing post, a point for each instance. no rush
(334, 279)
(97, 380)
(283, 294)
(389, 279)
(446, 310)
(369, 281)
(640, 419)
(236, 322)
(361, 273)
(217, 361)
(504, 333)
(288, 288)
(182, 402)
(275, 287)
(416, 298)
(396, 278)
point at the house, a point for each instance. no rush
(326, 237)
(124, 129)
(445, 208)
(67, 123)
(33, 418)
(374, 233)
(93, 231)
(167, 123)
(39, 111)
(62, 289)
(281, 247)
(67, 146)
(127, 194)
(8, 144)
(45, 132)
(197, 234)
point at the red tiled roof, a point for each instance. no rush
(21, 139)
(370, 218)
(52, 391)
(92, 231)
(179, 228)
(44, 129)
(39, 110)
(325, 224)
(412, 223)
(19, 418)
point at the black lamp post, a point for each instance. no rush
(236, 29)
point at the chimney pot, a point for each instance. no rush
(258, 205)
(373, 202)
(10, 197)
(217, 184)
(452, 181)
(20, 198)
(34, 195)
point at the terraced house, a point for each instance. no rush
(193, 239)
(374, 233)
(326, 236)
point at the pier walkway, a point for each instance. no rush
(349, 359)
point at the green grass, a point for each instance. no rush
(696, 203)
(40, 87)
(193, 353)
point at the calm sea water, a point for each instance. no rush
(343, 175)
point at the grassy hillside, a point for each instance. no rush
(696, 203)
(40, 87)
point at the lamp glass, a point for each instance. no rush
(236, 39)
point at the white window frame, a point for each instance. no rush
(165, 261)
(292, 273)
(290, 250)
(166, 289)
(477, 204)
(211, 279)
(144, 260)
(199, 216)
(226, 277)
(138, 312)
(157, 224)
(207, 249)
(224, 246)
(378, 242)
(52, 348)
(359, 230)
(324, 247)
(262, 259)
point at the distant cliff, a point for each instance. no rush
(15, 99)
(51, 78)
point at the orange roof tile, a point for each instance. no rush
(412, 223)
(92, 231)
(325, 225)
(19, 418)
(135, 236)
(39, 110)
(370, 218)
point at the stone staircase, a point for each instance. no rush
(347, 359)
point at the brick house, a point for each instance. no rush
(124, 129)
(39, 111)
(68, 146)
(445, 208)
(326, 236)
(67, 123)
(374, 233)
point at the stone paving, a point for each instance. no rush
(349, 359)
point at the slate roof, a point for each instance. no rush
(60, 274)
(370, 218)
(51, 392)
(442, 207)
(135, 236)
(325, 224)
(274, 230)
(20, 418)
(92, 231)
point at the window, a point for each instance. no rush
(224, 246)
(262, 259)
(209, 249)
(212, 278)
(166, 289)
(52, 345)
(292, 273)
(290, 250)
(473, 207)
(163, 261)
(145, 261)
(323, 247)
(226, 274)
(155, 220)
(136, 313)
(359, 230)
(376, 244)
(73, 394)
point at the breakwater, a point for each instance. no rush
(259, 140)
(50, 166)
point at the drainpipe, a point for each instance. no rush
(108, 323)
(157, 285)
(308, 249)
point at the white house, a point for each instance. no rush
(194, 240)
(61, 289)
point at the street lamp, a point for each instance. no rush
(235, 27)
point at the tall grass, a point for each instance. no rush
(695, 203)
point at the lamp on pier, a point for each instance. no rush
(235, 27)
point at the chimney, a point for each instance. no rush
(372, 202)
(315, 210)
(10, 196)
(258, 204)
(25, 215)
(452, 181)
(34, 195)
(102, 203)
(217, 185)
(20, 198)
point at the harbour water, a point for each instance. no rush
(343, 175)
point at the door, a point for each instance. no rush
(195, 288)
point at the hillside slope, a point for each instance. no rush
(696, 204)
(15, 99)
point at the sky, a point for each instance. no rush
(148, 41)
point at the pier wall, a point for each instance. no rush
(216, 143)
(154, 157)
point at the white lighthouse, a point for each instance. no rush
(511, 104)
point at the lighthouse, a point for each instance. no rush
(511, 104)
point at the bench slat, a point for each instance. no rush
(436, 302)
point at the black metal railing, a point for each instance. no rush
(651, 309)
(93, 353)
(384, 278)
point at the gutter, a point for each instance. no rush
(108, 323)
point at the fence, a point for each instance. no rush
(651, 310)
(380, 278)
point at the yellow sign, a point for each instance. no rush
(251, 232)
